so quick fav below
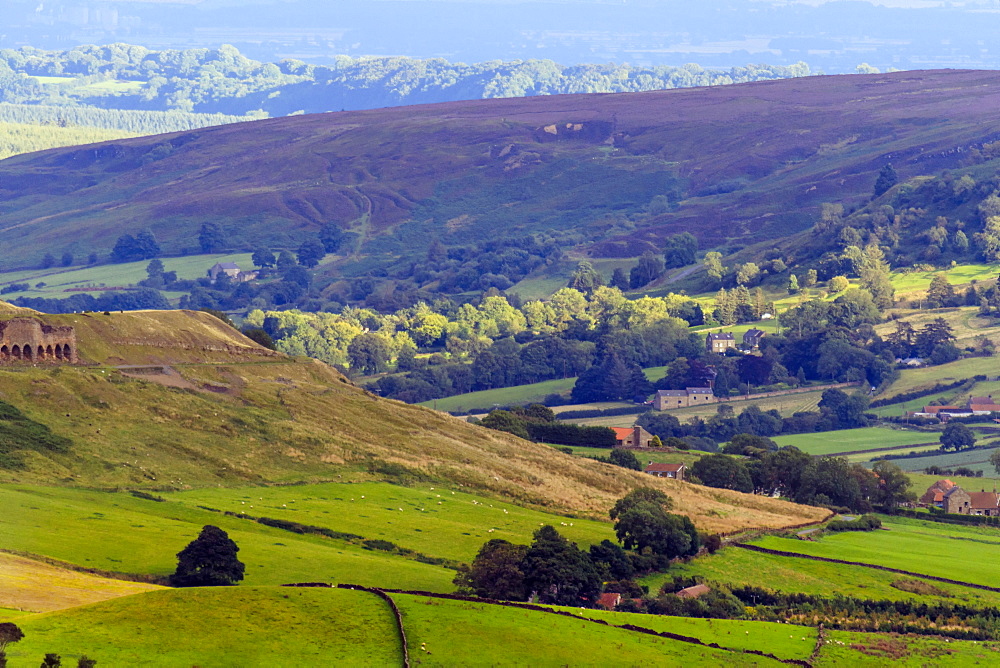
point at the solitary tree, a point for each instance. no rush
(208, 561)
(9, 632)
(263, 258)
(51, 660)
(887, 178)
(85, 662)
(956, 436)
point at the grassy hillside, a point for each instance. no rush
(250, 626)
(466, 171)
(229, 412)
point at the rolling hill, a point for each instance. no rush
(734, 164)
(179, 400)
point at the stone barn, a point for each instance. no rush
(26, 340)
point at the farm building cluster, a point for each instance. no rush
(975, 406)
(951, 498)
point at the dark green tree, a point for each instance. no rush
(369, 353)
(502, 420)
(957, 436)
(211, 238)
(558, 571)
(640, 495)
(259, 336)
(67, 259)
(893, 485)
(625, 459)
(887, 178)
(9, 633)
(311, 252)
(611, 560)
(331, 236)
(680, 250)
(619, 279)
(497, 571)
(146, 245)
(263, 258)
(86, 662)
(48, 260)
(208, 561)
(648, 270)
(585, 278)
(724, 472)
(51, 660)
(285, 261)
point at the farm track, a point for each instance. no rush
(782, 553)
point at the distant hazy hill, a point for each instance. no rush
(170, 399)
(737, 163)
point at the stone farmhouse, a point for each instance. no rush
(951, 498)
(752, 338)
(26, 340)
(675, 471)
(719, 342)
(692, 396)
(232, 270)
(632, 437)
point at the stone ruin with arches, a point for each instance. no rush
(28, 341)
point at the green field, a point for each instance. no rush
(117, 532)
(435, 521)
(783, 640)
(522, 394)
(60, 279)
(851, 440)
(918, 281)
(969, 554)
(738, 567)
(461, 633)
(218, 627)
(272, 626)
(976, 460)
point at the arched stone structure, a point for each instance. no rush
(26, 340)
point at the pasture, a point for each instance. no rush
(853, 440)
(218, 626)
(782, 640)
(59, 281)
(738, 567)
(436, 521)
(120, 533)
(976, 460)
(465, 633)
(525, 394)
(966, 553)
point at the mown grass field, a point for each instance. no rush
(850, 440)
(912, 379)
(908, 283)
(33, 586)
(969, 554)
(225, 627)
(58, 280)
